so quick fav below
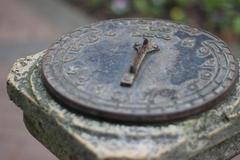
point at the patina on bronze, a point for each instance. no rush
(189, 71)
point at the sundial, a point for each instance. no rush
(139, 70)
(132, 89)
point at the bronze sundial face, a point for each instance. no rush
(139, 70)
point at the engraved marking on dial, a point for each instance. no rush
(163, 36)
(110, 33)
(206, 75)
(72, 69)
(76, 47)
(69, 57)
(192, 86)
(151, 34)
(142, 51)
(203, 51)
(92, 38)
(189, 29)
(188, 42)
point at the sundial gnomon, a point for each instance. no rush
(142, 51)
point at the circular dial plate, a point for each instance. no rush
(191, 70)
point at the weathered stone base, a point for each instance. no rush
(213, 135)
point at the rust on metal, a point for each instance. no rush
(142, 51)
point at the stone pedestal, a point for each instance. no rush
(211, 135)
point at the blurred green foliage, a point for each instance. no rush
(219, 16)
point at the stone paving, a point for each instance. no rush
(26, 27)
